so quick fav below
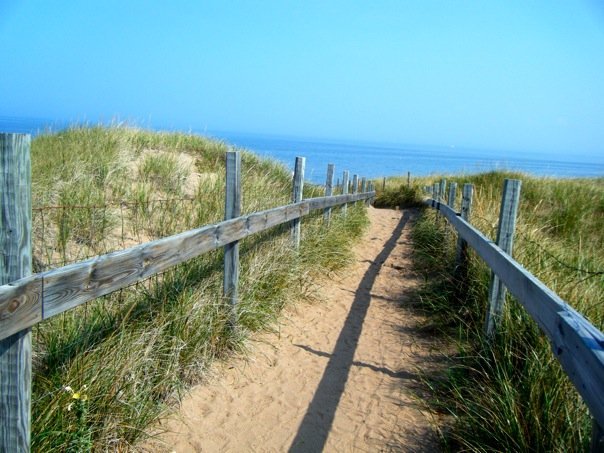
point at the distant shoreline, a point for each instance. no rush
(386, 159)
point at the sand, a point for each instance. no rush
(340, 375)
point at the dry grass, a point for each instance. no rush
(106, 370)
(511, 394)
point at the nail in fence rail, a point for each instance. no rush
(575, 342)
(15, 235)
(232, 211)
(328, 191)
(345, 177)
(297, 191)
(505, 241)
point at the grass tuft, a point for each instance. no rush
(131, 354)
(511, 394)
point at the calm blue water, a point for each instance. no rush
(375, 159)
(378, 159)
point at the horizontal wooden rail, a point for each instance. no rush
(576, 343)
(26, 302)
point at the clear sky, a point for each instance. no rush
(495, 74)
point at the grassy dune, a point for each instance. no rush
(103, 373)
(512, 395)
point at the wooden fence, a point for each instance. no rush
(575, 342)
(26, 299)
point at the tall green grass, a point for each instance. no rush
(106, 371)
(511, 394)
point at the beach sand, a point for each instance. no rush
(339, 375)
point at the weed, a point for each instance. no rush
(510, 394)
(137, 349)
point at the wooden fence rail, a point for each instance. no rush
(26, 300)
(575, 342)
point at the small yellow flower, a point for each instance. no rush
(76, 396)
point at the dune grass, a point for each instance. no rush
(106, 371)
(511, 394)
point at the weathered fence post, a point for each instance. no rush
(451, 200)
(355, 185)
(363, 185)
(435, 187)
(408, 179)
(345, 177)
(384, 184)
(328, 192)
(505, 241)
(442, 188)
(597, 437)
(452, 194)
(297, 191)
(15, 238)
(462, 246)
(232, 210)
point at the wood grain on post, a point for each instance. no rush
(328, 191)
(355, 184)
(15, 235)
(442, 189)
(297, 191)
(345, 177)
(232, 211)
(462, 245)
(505, 240)
(452, 194)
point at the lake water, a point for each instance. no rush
(380, 159)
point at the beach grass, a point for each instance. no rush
(104, 373)
(510, 393)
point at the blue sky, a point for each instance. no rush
(514, 74)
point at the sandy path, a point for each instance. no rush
(340, 376)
